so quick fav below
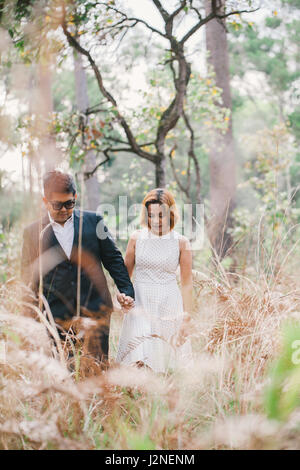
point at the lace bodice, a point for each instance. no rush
(156, 257)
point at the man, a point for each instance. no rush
(52, 252)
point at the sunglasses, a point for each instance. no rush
(58, 205)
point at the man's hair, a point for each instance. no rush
(58, 182)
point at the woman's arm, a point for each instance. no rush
(186, 274)
(129, 260)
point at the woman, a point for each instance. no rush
(151, 331)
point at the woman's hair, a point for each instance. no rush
(58, 182)
(163, 197)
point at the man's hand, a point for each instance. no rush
(125, 301)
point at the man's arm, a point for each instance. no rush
(112, 259)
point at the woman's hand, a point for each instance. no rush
(185, 330)
(125, 301)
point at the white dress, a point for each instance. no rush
(150, 328)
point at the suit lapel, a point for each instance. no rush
(49, 239)
(76, 234)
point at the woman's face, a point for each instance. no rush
(159, 218)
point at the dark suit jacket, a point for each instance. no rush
(42, 253)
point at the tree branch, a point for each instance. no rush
(169, 17)
(236, 12)
(184, 189)
(131, 139)
(89, 174)
(192, 154)
(138, 20)
(119, 141)
(165, 15)
(119, 149)
(196, 27)
(178, 10)
(212, 15)
(169, 22)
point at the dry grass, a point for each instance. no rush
(216, 405)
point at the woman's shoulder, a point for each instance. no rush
(178, 235)
(137, 234)
(183, 241)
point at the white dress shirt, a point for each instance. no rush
(64, 233)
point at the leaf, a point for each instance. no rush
(282, 395)
(139, 442)
(96, 133)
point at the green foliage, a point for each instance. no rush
(13, 204)
(267, 220)
(273, 22)
(292, 3)
(275, 155)
(23, 9)
(12, 201)
(282, 395)
(137, 442)
(273, 52)
(267, 53)
(294, 119)
(9, 253)
(237, 100)
(63, 90)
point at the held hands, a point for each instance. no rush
(125, 301)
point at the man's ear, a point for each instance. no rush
(75, 195)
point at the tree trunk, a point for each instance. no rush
(49, 155)
(30, 176)
(160, 172)
(92, 186)
(222, 152)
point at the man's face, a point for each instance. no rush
(60, 215)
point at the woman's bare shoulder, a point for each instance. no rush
(184, 242)
(136, 234)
